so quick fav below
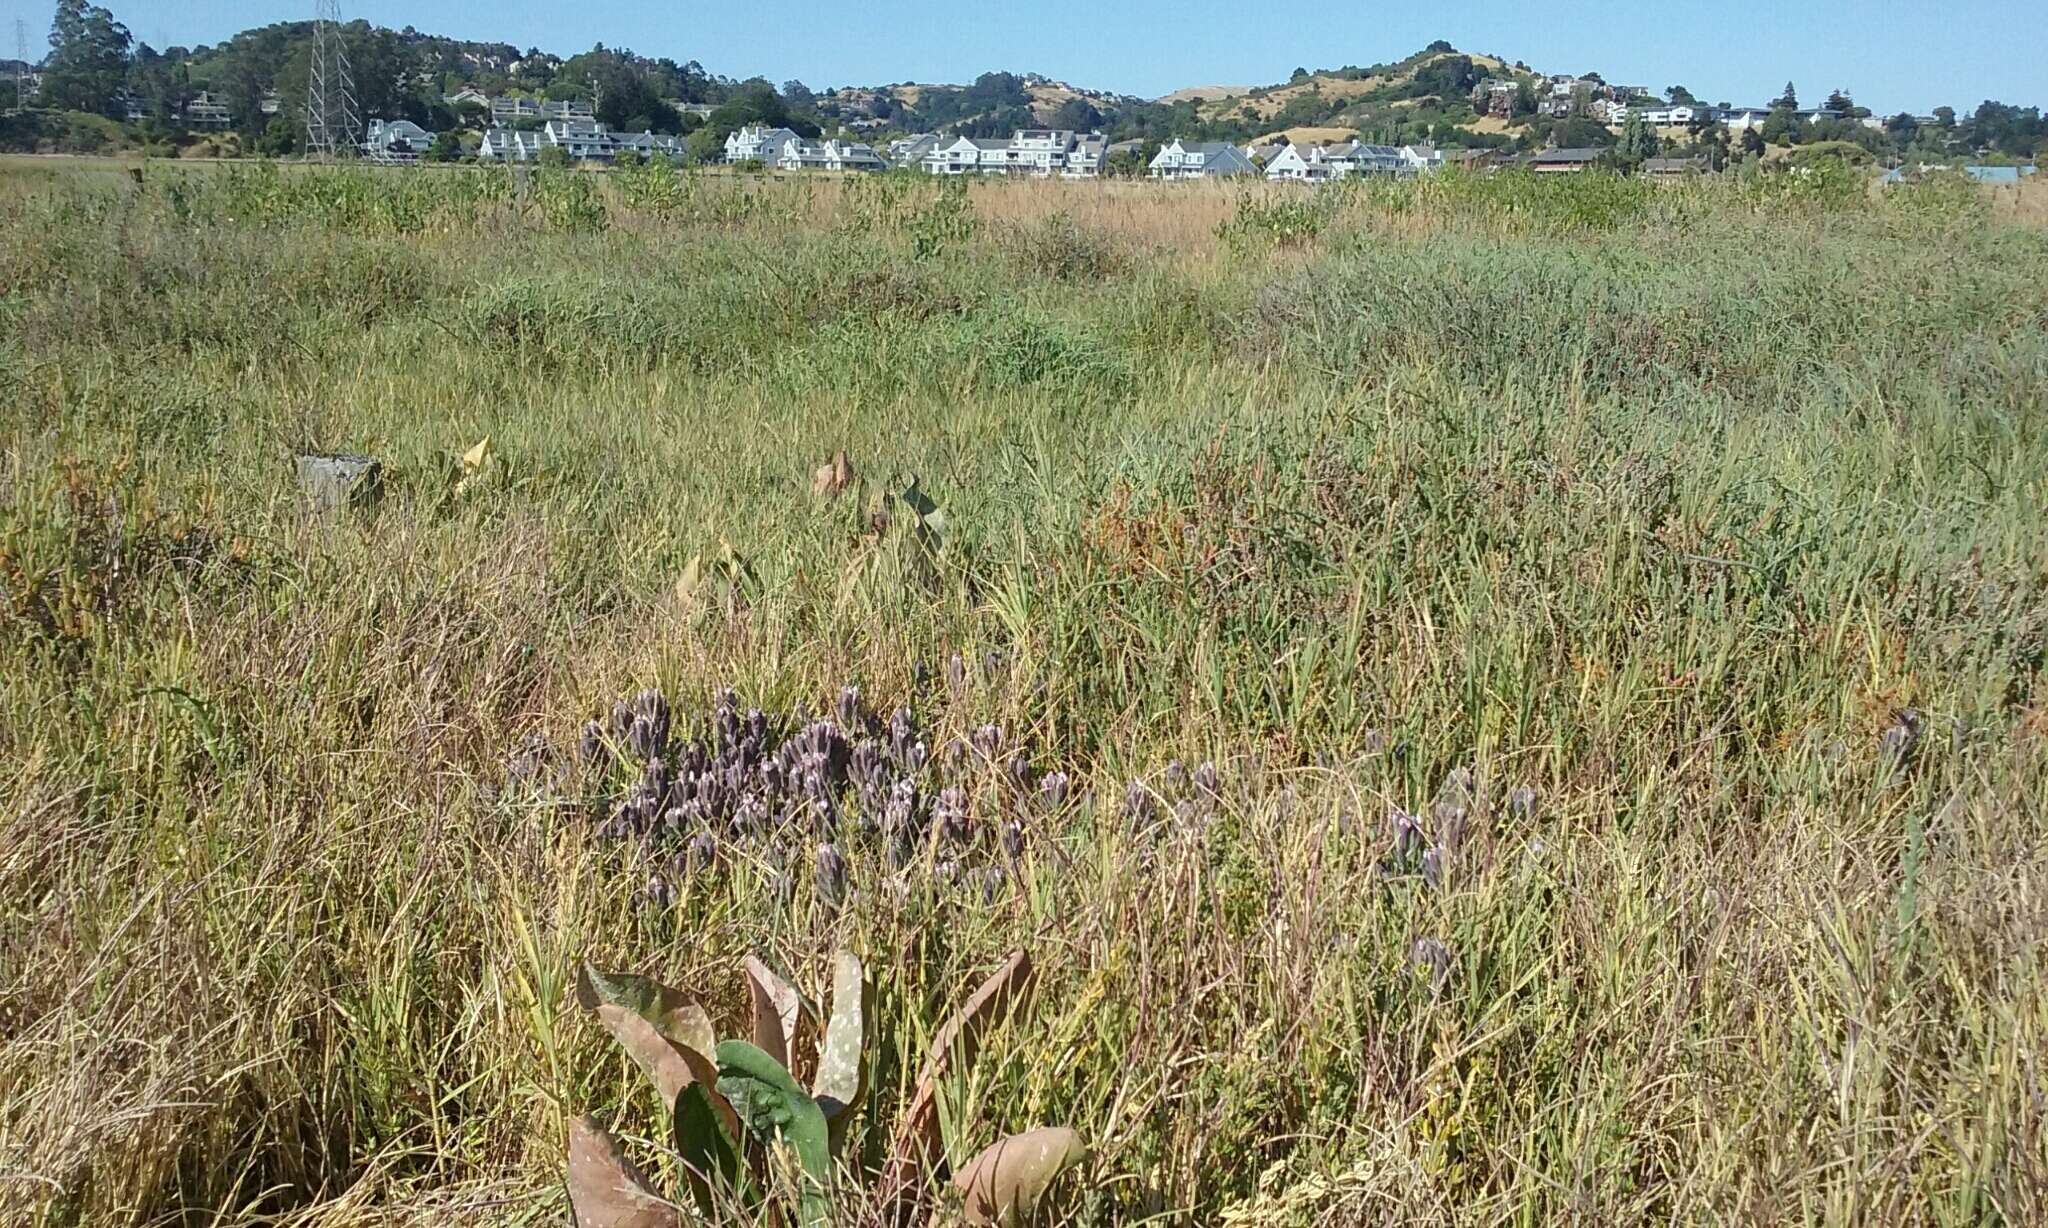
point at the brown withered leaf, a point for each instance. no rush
(916, 1147)
(1003, 1185)
(606, 1190)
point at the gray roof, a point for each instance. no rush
(1593, 154)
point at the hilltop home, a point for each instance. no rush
(1662, 116)
(755, 143)
(208, 111)
(1036, 153)
(1495, 96)
(1200, 160)
(505, 110)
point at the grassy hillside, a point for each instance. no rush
(1620, 658)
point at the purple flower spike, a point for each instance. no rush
(830, 875)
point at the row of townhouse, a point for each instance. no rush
(1321, 163)
(1679, 115)
(782, 149)
(1033, 153)
(580, 140)
(509, 109)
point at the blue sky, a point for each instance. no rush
(1892, 56)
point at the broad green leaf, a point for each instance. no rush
(774, 1109)
(1003, 1185)
(706, 1137)
(605, 1189)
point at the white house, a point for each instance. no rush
(397, 141)
(911, 150)
(1179, 159)
(1742, 119)
(1659, 115)
(509, 145)
(960, 156)
(830, 155)
(583, 140)
(1320, 163)
(1306, 164)
(755, 143)
(646, 144)
(1421, 159)
(1036, 153)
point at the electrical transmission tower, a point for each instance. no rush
(334, 128)
(20, 65)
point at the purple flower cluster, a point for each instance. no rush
(762, 785)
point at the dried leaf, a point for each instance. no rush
(664, 1062)
(675, 1014)
(917, 1143)
(833, 476)
(690, 584)
(478, 456)
(605, 1189)
(775, 1009)
(1003, 1185)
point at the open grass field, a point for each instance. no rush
(1612, 616)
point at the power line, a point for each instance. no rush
(334, 127)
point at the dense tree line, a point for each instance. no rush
(95, 66)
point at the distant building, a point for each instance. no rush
(1674, 168)
(1034, 153)
(831, 155)
(397, 141)
(755, 143)
(509, 145)
(1496, 96)
(579, 141)
(1562, 161)
(911, 150)
(1318, 163)
(208, 111)
(509, 109)
(1179, 159)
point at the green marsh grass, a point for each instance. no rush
(1660, 501)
